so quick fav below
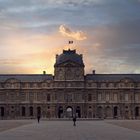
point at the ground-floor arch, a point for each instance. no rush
(2, 111)
(115, 112)
(69, 112)
(78, 112)
(137, 112)
(100, 112)
(31, 111)
(108, 112)
(23, 111)
(39, 111)
(60, 112)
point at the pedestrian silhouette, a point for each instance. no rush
(74, 121)
(38, 118)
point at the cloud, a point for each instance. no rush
(65, 31)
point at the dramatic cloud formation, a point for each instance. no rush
(65, 31)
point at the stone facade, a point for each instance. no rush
(70, 92)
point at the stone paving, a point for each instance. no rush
(64, 130)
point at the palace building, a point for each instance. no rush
(70, 92)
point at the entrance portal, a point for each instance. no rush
(78, 112)
(69, 112)
(115, 111)
(136, 111)
(60, 112)
(39, 110)
(2, 111)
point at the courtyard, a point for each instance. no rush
(64, 130)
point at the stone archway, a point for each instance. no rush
(78, 112)
(31, 111)
(23, 111)
(100, 112)
(39, 110)
(60, 112)
(126, 114)
(108, 112)
(69, 112)
(136, 111)
(115, 112)
(2, 111)
(89, 114)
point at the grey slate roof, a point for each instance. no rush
(94, 77)
(69, 55)
(26, 77)
(112, 77)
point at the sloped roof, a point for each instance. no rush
(26, 77)
(69, 55)
(112, 77)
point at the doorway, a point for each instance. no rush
(136, 111)
(69, 112)
(2, 111)
(60, 112)
(78, 112)
(39, 110)
(115, 112)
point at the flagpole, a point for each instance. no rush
(70, 42)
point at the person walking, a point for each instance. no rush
(74, 121)
(38, 118)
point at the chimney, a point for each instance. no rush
(93, 72)
(44, 72)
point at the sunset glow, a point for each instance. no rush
(33, 32)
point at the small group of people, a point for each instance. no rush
(74, 119)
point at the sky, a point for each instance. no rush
(106, 32)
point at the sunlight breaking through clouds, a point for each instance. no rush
(67, 32)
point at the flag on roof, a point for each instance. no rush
(71, 42)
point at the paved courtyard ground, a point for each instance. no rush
(64, 130)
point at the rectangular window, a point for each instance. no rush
(48, 97)
(40, 96)
(55, 96)
(126, 97)
(99, 97)
(69, 97)
(89, 97)
(115, 97)
(31, 97)
(22, 96)
(107, 97)
(137, 97)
